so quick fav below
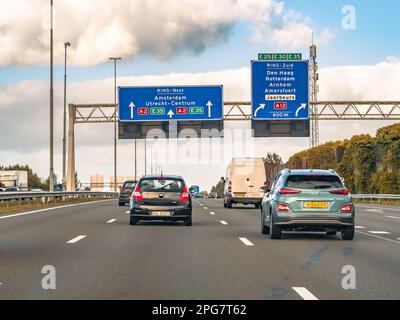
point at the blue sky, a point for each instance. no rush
(374, 39)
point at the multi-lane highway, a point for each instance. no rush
(98, 255)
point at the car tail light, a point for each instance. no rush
(230, 186)
(137, 196)
(347, 208)
(185, 195)
(343, 192)
(289, 191)
(282, 207)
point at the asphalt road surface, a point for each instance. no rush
(98, 255)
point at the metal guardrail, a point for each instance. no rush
(377, 196)
(45, 196)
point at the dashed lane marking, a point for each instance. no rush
(111, 221)
(75, 240)
(304, 293)
(379, 232)
(224, 223)
(246, 241)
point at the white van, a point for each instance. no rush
(243, 179)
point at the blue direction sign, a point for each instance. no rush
(280, 90)
(181, 103)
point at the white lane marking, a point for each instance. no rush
(111, 221)
(50, 209)
(246, 241)
(378, 237)
(128, 211)
(375, 210)
(379, 232)
(201, 204)
(398, 238)
(304, 293)
(359, 227)
(224, 223)
(75, 240)
(212, 213)
(205, 208)
(392, 217)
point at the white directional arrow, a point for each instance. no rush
(261, 107)
(170, 114)
(302, 107)
(209, 105)
(132, 106)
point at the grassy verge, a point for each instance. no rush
(16, 206)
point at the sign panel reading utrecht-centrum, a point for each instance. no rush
(181, 103)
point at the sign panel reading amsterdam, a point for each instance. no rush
(280, 90)
(180, 103)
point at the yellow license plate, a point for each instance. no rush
(316, 205)
(240, 195)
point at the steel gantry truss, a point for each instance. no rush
(234, 111)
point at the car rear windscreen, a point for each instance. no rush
(313, 182)
(161, 185)
(129, 185)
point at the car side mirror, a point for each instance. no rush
(264, 189)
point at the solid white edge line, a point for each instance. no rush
(246, 241)
(392, 217)
(304, 293)
(76, 239)
(50, 209)
(378, 237)
(382, 208)
(111, 221)
(379, 232)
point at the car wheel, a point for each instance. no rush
(121, 204)
(331, 233)
(257, 205)
(188, 222)
(133, 221)
(264, 228)
(275, 232)
(348, 234)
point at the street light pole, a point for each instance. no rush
(51, 178)
(145, 156)
(66, 45)
(135, 161)
(115, 123)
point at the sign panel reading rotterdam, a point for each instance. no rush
(280, 89)
(180, 103)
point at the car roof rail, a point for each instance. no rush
(333, 171)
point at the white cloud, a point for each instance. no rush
(24, 120)
(99, 29)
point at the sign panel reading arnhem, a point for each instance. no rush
(180, 103)
(280, 90)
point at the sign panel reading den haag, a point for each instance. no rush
(280, 90)
(181, 103)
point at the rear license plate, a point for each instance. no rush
(316, 205)
(161, 213)
(240, 195)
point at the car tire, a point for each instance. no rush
(188, 222)
(121, 204)
(257, 205)
(133, 221)
(275, 232)
(264, 228)
(348, 234)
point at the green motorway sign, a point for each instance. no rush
(280, 56)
